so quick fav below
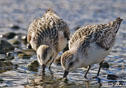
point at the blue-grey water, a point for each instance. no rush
(75, 13)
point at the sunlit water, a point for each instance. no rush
(74, 12)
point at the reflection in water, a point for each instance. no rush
(52, 82)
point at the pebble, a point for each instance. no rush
(112, 77)
(14, 27)
(9, 35)
(5, 46)
(105, 65)
(5, 66)
(33, 66)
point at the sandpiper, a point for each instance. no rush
(48, 35)
(89, 45)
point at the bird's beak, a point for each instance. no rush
(65, 74)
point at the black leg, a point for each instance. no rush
(51, 72)
(65, 74)
(99, 68)
(85, 76)
(43, 70)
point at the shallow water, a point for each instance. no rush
(74, 12)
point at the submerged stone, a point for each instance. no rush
(10, 55)
(6, 65)
(14, 41)
(33, 66)
(9, 35)
(14, 27)
(5, 46)
(105, 65)
(23, 56)
(1, 80)
(2, 57)
(112, 77)
(26, 54)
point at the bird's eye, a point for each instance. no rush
(50, 58)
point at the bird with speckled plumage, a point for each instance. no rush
(48, 35)
(89, 45)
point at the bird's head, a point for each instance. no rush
(68, 62)
(45, 54)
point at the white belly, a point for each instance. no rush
(95, 54)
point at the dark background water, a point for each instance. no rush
(74, 12)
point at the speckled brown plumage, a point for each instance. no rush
(102, 34)
(45, 30)
(90, 45)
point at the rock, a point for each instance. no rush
(33, 66)
(24, 40)
(57, 60)
(10, 55)
(27, 52)
(19, 35)
(5, 46)
(14, 41)
(9, 35)
(5, 66)
(2, 57)
(23, 56)
(105, 65)
(7, 56)
(112, 77)
(1, 80)
(14, 27)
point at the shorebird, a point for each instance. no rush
(48, 35)
(89, 45)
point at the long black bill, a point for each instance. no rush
(65, 74)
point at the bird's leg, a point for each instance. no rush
(43, 69)
(85, 76)
(65, 74)
(100, 65)
(51, 72)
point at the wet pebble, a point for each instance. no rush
(23, 56)
(10, 55)
(33, 66)
(24, 39)
(2, 57)
(105, 65)
(5, 46)
(5, 66)
(14, 41)
(14, 27)
(112, 77)
(1, 80)
(27, 52)
(9, 35)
